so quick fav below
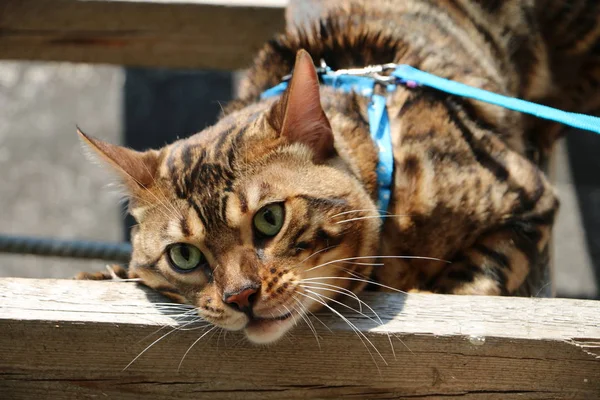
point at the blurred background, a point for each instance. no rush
(48, 188)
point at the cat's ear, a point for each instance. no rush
(298, 115)
(137, 169)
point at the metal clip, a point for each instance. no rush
(385, 79)
(374, 71)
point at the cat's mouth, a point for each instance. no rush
(267, 330)
(280, 318)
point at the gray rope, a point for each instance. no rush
(120, 252)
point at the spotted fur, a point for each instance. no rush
(469, 185)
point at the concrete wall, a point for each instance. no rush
(47, 186)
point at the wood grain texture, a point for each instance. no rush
(71, 339)
(207, 34)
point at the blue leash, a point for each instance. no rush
(406, 73)
(363, 81)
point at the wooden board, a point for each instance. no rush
(72, 339)
(209, 34)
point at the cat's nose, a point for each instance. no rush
(241, 299)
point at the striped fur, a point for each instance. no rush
(469, 185)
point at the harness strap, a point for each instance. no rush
(406, 74)
(379, 126)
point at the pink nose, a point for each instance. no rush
(242, 298)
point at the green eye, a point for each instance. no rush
(185, 257)
(269, 219)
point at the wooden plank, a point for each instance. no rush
(210, 34)
(72, 339)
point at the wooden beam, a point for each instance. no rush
(72, 339)
(209, 34)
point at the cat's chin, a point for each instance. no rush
(267, 331)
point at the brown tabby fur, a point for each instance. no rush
(468, 184)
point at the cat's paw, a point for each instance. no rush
(113, 273)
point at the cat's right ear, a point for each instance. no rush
(137, 169)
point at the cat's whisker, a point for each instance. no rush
(149, 223)
(185, 320)
(149, 346)
(352, 279)
(225, 332)
(125, 279)
(175, 326)
(361, 210)
(373, 217)
(181, 321)
(240, 340)
(287, 310)
(306, 310)
(213, 333)
(301, 310)
(295, 319)
(162, 205)
(175, 312)
(371, 257)
(354, 328)
(341, 290)
(166, 201)
(221, 107)
(350, 272)
(189, 317)
(352, 294)
(542, 288)
(361, 263)
(220, 330)
(312, 255)
(193, 344)
(184, 327)
(176, 305)
(377, 321)
(173, 309)
(162, 208)
(149, 316)
(342, 262)
(360, 335)
(310, 325)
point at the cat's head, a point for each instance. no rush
(253, 219)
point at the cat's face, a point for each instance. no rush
(248, 220)
(248, 248)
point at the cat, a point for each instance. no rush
(271, 212)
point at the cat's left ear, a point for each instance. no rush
(298, 115)
(136, 169)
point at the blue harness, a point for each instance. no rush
(363, 80)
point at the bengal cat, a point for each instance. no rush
(271, 212)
